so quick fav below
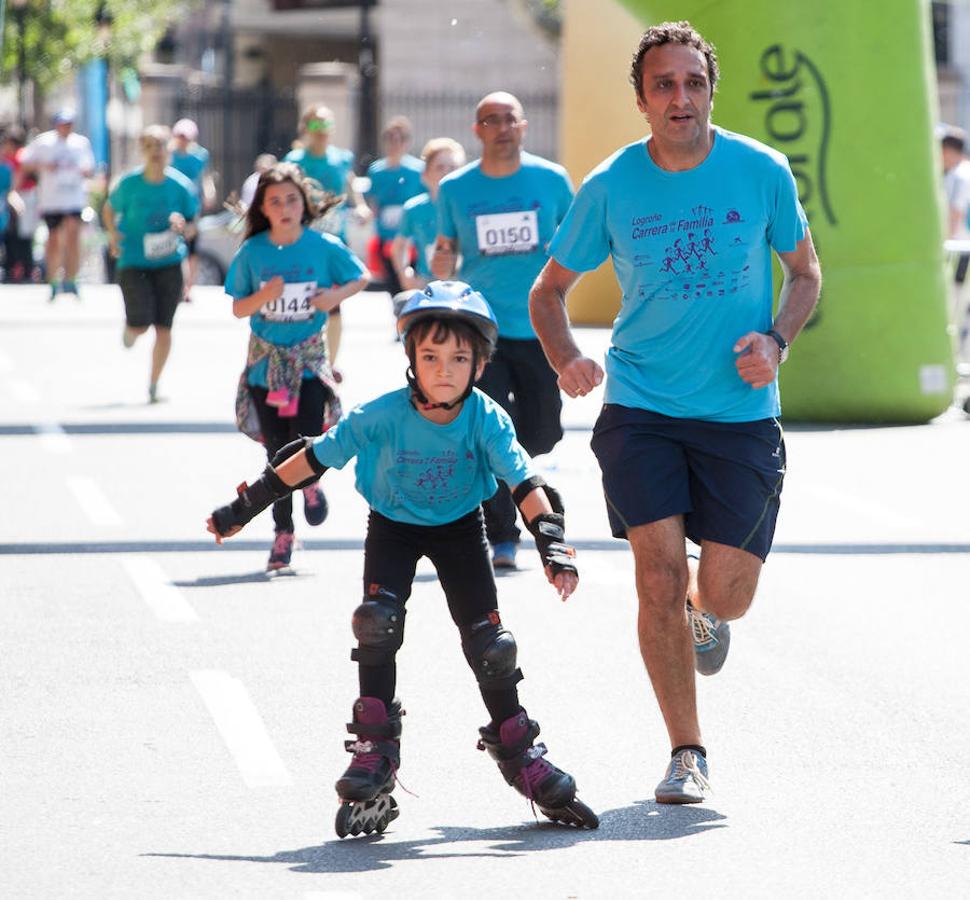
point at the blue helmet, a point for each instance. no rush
(446, 300)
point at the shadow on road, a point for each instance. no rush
(643, 821)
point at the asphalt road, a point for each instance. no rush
(172, 720)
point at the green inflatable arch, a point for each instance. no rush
(846, 90)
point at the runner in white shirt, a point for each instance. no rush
(61, 160)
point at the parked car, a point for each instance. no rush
(220, 235)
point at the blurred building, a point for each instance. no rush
(243, 69)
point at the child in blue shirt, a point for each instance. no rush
(414, 243)
(285, 278)
(427, 456)
(394, 179)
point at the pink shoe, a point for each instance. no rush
(279, 555)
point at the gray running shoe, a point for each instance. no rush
(712, 640)
(685, 781)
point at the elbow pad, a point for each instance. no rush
(291, 449)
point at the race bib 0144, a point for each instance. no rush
(500, 234)
(293, 305)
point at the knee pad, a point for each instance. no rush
(378, 625)
(491, 652)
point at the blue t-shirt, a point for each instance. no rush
(692, 254)
(312, 262)
(390, 188)
(6, 181)
(503, 226)
(142, 209)
(331, 169)
(192, 164)
(419, 224)
(412, 470)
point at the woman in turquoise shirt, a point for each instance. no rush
(148, 216)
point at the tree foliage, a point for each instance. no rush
(62, 35)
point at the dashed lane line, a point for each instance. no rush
(93, 502)
(242, 729)
(53, 438)
(164, 599)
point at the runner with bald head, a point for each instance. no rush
(498, 215)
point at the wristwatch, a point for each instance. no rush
(782, 344)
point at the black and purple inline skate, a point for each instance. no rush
(523, 766)
(365, 788)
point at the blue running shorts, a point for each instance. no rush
(725, 478)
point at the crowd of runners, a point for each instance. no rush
(479, 258)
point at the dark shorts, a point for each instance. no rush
(54, 220)
(725, 478)
(190, 243)
(151, 295)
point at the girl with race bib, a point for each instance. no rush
(148, 215)
(286, 278)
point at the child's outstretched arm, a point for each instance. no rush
(542, 509)
(294, 466)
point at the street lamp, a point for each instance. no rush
(20, 15)
(103, 20)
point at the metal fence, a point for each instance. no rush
(238, 125)
(444, 114)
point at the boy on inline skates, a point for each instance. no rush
(427, 455)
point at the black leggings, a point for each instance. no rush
(459, 553)
(279, 430)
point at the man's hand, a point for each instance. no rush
(444, 259)
(758, 361)
(176, 221)
(579, 376)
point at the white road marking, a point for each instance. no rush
(93, 502)
(23, 392)
(241, 728)
(330, 895)
(52, 437)
(165, 600)
(871, 509)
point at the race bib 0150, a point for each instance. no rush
(500, 234)
(293, 305)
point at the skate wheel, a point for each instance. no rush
(342, 823)
(574, 813)
(365, 816)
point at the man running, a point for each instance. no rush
(61, 160)
(687, 440)
(499, 213)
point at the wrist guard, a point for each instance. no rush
(548, 529)
(252, 500)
